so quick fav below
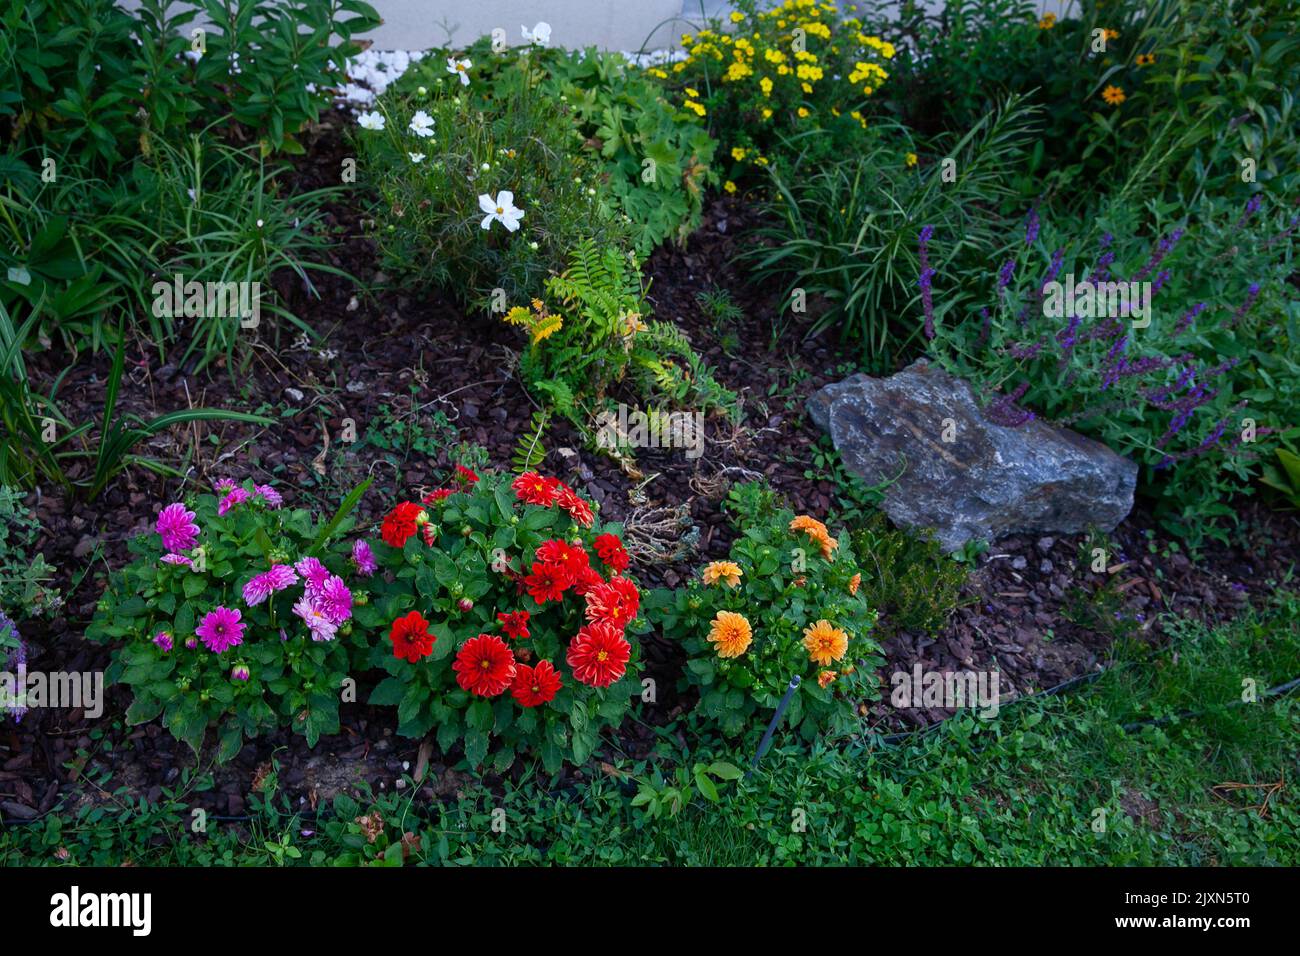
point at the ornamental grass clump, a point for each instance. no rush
(508, 611)
(786, 602)
(236, 613)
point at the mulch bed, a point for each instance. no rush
(1031, 606)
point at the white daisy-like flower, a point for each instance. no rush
(460, 68)
(502, 209)
(421, 124)
(416, 157)
(371, 120)
(540, 35)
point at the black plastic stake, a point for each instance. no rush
(765, 744)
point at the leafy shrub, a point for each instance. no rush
(907, 577)
(1197, 396)
(97, 84)
(653, 158)
(443, 167)
(786, 603)
(242, 620)
(24, 577)
(790, 82)
(506, 607)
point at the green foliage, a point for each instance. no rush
(788, 583)
(530, 452)
(847, 232)
(1284, 476)
(24, 576)
(667, 796)
(94, 83)
(907, 578)
(294, 681)
(485, 546)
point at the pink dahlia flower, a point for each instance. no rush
(269, 495)
(236, 496)
(177, 559)
(263, 585)
(363, 559)
(221, 629)
(177, 528)
(314, 574)
(318, 622)
(335, 600)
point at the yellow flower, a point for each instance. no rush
(803, 112)
(1145, 59)
(730, 633)
(911, 159)
(1113, 95)
(766, 85)
(855, 582)
(1112, 34)
(806, 87)
(736, 16)
(762, 160)
(1048, 21)
(826, 678)
(738, 153)
(773, 56)
(686, 39)
(692, 92)
(696, 106)
(767, 113)
(655, 71)
(824, 642)
(727, 572)
(817, 531)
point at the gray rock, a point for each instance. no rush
(962, 475)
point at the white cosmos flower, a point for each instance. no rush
(540, 34)
(502, 209)
(416, 157)
(459, 67)
(371, 120)
(421, 124)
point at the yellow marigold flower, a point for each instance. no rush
(803, 112)
(766, 85)
(911, 159)
(767, 113)
(806, 87)
(826, 678)
(887, 50)
(727, 572)
(686, 39)
(1113, 95)
(1048, 21)
(737, 16)
(729, 186)
(679, 66)
(730, 634)
(738, 153)
(782, 70)
(696, 106)
(1145, 59)
(819, 30)
(692, 92)
(855, 582)
(773, 55)
(655, 71)
(825, 642)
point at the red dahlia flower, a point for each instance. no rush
(587, 579)
(547, 582)
(401, 523)
(531, 488)
(598, 655)
(535, 685)
(569, 557)
(484, 665)
(411, 638)
(466, 475)
(612, 552)
(515, 624)
(437, 495)
(615, 602)
(577, 508)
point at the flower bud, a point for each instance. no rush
(240, 672)
(465, 605)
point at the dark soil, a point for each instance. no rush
(1034, 608)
